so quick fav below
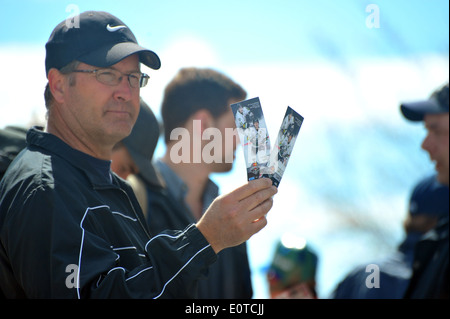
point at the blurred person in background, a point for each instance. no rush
(196, 100)
(419, 268)
(12, 141)
(133, 154)
(132, 157)
(430, 277)
(292, 272)
(429, 204)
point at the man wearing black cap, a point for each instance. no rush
(69, 227)
(431, 261)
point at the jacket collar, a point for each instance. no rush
(96, 170)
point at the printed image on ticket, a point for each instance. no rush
(253, 135)
(284, 145)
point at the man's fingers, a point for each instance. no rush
(258, 224)
(258, 197)
(234, 218)
(261, 210)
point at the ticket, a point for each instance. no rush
(282, 150)
(262, 160)
(253, 135)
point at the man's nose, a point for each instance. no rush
(123, 91)
(427, 144)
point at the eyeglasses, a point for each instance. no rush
(113, 77)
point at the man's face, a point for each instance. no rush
(100, 114)
(436, 143)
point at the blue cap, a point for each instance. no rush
(431, 198)
(437, 103)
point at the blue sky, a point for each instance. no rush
(248, 30)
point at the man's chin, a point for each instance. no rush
(443, 178)
(444, 181)
(223, 168)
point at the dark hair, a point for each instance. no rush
(195, 89)
(442, 95)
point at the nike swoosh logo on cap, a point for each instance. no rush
(114, 29)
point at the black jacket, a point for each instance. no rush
(230, 276)
(430, 279)
(71, 229)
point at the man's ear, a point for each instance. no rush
(205, 117)
(56, 82)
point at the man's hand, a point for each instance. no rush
(234, 218)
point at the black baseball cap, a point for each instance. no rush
(437, 103)
(99, 39)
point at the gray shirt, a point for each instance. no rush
(178, 189)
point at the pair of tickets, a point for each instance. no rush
(261, 159)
